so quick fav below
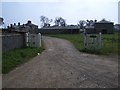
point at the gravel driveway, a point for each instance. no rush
(62, 66)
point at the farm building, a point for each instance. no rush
(28, 27)
(90, 29)
(117, 27)
(103, 26)
(59, 30)
(32, 27)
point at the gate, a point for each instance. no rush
(93, 40)
(33, 40)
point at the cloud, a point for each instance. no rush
(30, 1)
(73, 1)
(0, 9)
(72, 11)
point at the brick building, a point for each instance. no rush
(103, 26)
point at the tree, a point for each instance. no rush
(59, 21)
(45, 22)
(1, 21)
(82, 24)
(2, 24)
(91, 22)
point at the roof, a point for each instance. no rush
(117, 25)
(31, 25)
(104, 21)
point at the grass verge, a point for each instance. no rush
(110, 43)
(13, 58)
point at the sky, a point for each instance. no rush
(14, 11)
(119, 12)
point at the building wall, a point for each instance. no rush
(90, 31)
(105, 28)
(33, 29)
(12, 41)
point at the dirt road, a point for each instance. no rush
(62, 66)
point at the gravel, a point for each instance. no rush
(62, 66)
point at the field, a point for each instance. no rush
(13, 58)
(110, 43)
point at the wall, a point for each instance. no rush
(12, 41)
(104, 26)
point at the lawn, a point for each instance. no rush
(14, 58)
(110, 43)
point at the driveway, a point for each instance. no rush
(62, 66)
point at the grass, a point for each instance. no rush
(14, 58)
(110, 43)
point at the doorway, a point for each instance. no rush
(104, 31)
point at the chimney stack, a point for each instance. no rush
(18, 23)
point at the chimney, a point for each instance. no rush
(11, 25)
(29, 22)
(95, 20)
(14, 24)
(23, 25)
(8, 27)
(18, 23)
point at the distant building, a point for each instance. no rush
(28, 27)
(71, 29)
(103, 26)
(32, 27)
(117, 27)
(90, 29)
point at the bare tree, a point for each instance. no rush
(2, 24)
(91, 22)
(1, 21)
(82, 24)
(45, 21)
(59, 21)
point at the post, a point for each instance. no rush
(27, 41)
(39, 37)
(84, 40)
(100, 39)
(97, 45)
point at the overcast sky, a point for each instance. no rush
(71, 10)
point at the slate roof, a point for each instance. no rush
(104, 21)
(62, 27)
